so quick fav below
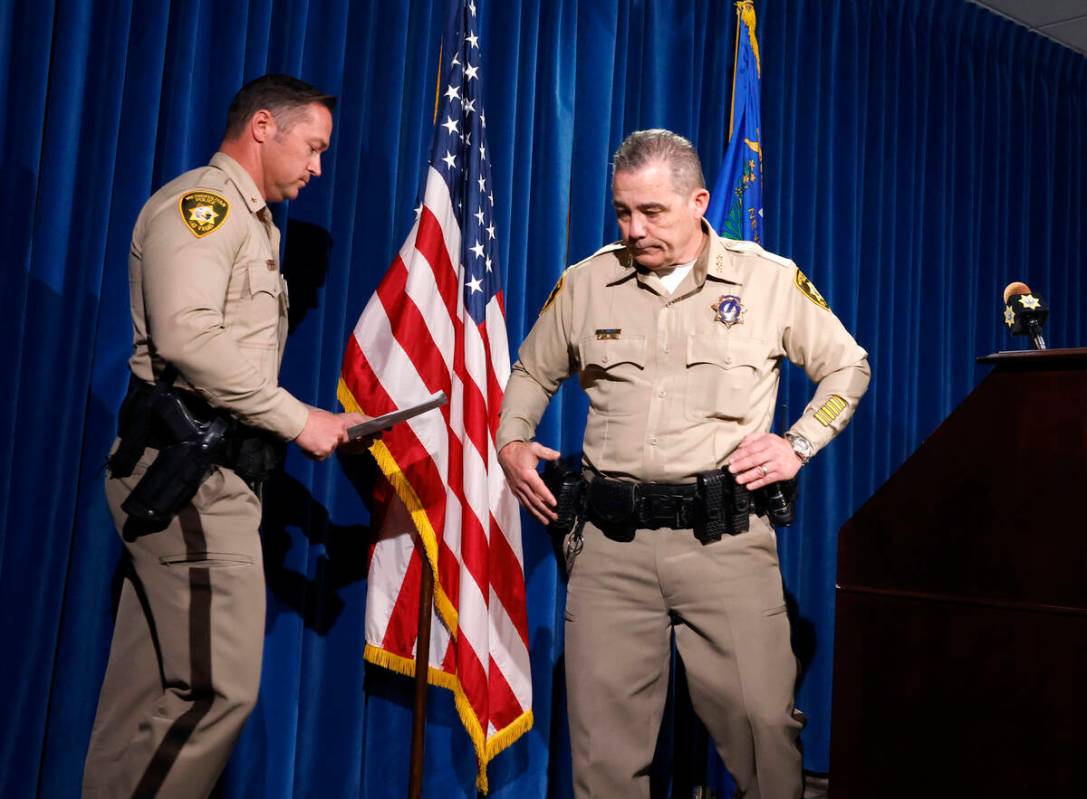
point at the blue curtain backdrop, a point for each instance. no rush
(919, 155)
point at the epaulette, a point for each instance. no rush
(615, 246)
(752, 248)
(608, 248)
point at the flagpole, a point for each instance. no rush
(422, 666)
(430, 463)
(426, 604)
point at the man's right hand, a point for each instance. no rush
(518, 460)
(325, 431)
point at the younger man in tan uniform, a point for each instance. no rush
(209, 302)
(677, 337)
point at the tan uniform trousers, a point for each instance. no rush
(732, 632)
(184, 665)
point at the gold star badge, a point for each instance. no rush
(1029, 301)
(728, 310)
(202, 215)
(1009, 316)
(203, 212)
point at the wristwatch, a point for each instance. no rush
(801, 446)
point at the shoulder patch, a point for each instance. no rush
(203, 212)
(554, 293)
(807, 288)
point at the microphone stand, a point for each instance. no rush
(1034, 330)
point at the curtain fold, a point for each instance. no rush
(919, 155)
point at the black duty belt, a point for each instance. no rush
(714, 505)
(191, 438)
(645, 505)
(253, 453)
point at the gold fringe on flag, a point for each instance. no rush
(745, 15)
(485, 749)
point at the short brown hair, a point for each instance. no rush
(281, 95)
(643, 147)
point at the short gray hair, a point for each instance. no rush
(643, 147)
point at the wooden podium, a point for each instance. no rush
(960, 661)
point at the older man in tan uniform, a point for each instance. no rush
(209, 302)
(677, 338)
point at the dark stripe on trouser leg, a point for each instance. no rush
(200, 687)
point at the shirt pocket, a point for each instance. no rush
(722, 374)
(260, 308)
(610, 372)
(264, 279)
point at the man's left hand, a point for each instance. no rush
(762, 459)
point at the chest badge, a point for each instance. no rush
(729, 310)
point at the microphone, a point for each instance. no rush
(1025, 313)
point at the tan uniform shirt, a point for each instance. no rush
(675, 381)
(208, 297)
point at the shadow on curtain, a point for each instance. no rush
(919, 156)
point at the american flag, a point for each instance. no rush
(437, 323)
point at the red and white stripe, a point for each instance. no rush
(412, 339)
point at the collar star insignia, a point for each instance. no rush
(1009, 316)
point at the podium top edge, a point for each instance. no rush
(1076, 354)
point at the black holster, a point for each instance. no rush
(173, 478)
(777, 502)
(192, 439)
(568, 487)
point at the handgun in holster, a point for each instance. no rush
(173, 478)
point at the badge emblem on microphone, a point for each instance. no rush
(1025, 313)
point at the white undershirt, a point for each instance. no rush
(672, 280)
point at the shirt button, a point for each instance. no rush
(653, 441)
(728, 360)
(604, 359)
(660, 393)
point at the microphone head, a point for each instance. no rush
(1024, 311)
(1015, 288)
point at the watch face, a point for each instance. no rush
(802, 447)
